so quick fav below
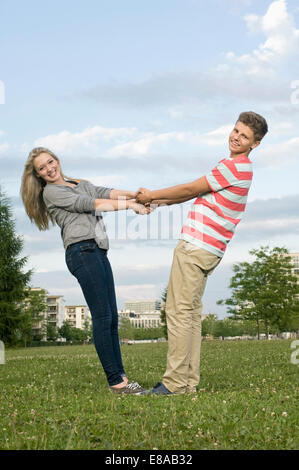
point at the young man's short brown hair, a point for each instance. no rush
(256, 123)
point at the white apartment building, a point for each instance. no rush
(39, 327)
(55, 310)
(143, 306)
(77, 315)
(142, 313)
(146, 320)
(141, 320)
(295, 260)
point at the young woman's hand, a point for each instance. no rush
(140, 208)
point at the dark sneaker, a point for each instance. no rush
(132, 387)
(158, 389)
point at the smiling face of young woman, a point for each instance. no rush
(48, 168)
(241, 140)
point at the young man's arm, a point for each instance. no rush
(169, 202)
(181, 191)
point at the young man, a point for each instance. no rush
(221, 199)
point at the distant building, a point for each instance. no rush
(55, 310)
(53, 314)
(141, 320)
(143, 306)
(39, 328)
(295, 260)
(77, 315)
(142, 313)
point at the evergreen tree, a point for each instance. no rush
(13, 280)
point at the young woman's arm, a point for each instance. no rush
(64, 198)
(120, 194)
(107, 205)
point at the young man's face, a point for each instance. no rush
(241, 140)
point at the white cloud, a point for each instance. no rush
(4, 147)
(108, 181)
(271, 226)
(217, 137)
(281, 40)
(139, 291)
(281, 128)
(89, 139)
(147, 141)
(279, 154)
(142, 145)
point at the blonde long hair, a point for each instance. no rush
(32, 190)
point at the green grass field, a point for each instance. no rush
(58, 398)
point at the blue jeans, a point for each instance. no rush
(90, 265)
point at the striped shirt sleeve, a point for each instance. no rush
(228, 173)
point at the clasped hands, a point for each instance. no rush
(143, 199)
(143, 196)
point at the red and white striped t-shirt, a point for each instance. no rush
(214, 216)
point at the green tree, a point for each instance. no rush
(88, 329)
(163, 313)
(13, 278)
(126, 330)
(208, 325)
(78, 335)
(228, 327)
(265, 290)
(148, 333)
(65, 331)
(52, 333)
(32, 313)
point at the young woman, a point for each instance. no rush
(76, 206)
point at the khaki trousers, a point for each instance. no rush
(190, 268)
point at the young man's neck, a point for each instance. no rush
(235, 155)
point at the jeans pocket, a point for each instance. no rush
(88, 247)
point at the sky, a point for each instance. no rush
(144, 94)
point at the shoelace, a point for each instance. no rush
(134, 386)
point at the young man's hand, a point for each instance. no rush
(143, 196)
